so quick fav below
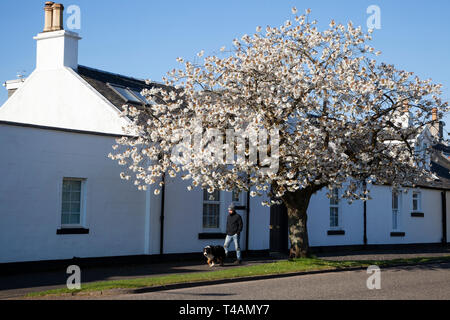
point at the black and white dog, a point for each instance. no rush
(214, 254)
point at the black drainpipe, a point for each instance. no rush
(248, 220)
(161, 218)
(365, 216)
(444, 217)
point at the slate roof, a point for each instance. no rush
(99, 80)
(440, 165)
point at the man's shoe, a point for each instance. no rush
(238, 262)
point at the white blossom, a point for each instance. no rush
(335, 106)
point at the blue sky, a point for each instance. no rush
(143, 38)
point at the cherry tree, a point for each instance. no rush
(335, 118)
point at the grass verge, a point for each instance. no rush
(274, 268)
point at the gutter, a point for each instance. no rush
(161, 218)
(247, 220)
(365, 216)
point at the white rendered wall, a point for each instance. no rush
(183, 220)
(427, 229)
(351, 221)
(57, 49)
(61, 98)
(33, 163)
(259, 233)
(447, 198)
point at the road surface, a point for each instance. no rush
(430, 281)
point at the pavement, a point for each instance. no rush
(17, 285)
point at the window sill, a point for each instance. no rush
(76, 230)
(211, 235)
(336, 232)
(397, 234)
(417, 214)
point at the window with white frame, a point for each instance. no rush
(395, 209)
(72, 202)
(416, 201)
(211, 209)
(334, 208)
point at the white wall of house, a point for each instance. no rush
(121, 220)
(427, 229)
(351, 221)
(184, 220)
(447, 199)
(61, 98)
(259, 232)
(33, 163)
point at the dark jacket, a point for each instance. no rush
(234, 224)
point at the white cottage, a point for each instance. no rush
(61, 196)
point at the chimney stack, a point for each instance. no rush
(57, 21)
(436, 127)
(56, 47)
(48, 16)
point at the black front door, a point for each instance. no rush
(278, 229)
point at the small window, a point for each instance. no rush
(236, 196)
(334, 208)
(416, 201)
(72, 202)
(138, 94)
(395, 209)
(211, 209)
(127, 94)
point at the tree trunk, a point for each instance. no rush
(297, 205)
(298, 233)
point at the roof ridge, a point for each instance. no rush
(113, 74)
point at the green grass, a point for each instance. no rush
(274, 268)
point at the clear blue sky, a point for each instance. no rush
(143, 38)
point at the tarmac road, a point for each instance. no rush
(431, 281)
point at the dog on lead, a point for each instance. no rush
(214, 254)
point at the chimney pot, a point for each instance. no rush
(57, 23)
(434, 114)
(48, 11)
(405, 106)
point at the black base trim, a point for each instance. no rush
(427, 247)
(417, 214)
(335, 232)
(72, 231)
(212, 235)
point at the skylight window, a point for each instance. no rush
(140, 96)
(127, 94)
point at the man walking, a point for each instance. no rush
(234, 228)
